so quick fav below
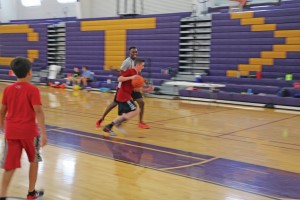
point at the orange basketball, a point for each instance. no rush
(138, 82)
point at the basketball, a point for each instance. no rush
(138, 82)
(76, 87)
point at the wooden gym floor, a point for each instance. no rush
(194, 150)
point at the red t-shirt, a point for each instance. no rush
(124, 92)
(20, 98)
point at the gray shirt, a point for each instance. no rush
(127, 64)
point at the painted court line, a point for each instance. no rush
(183, 166)
(122, 143)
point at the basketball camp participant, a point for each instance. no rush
(21, 105)
(126, 106)
(136, 95)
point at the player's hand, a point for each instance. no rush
(147, 82)
(43, 140)
(148, 89)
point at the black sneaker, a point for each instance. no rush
(36, 195)
(107, 129)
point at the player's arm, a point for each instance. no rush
(39, 113)
(3, 111)
(123, 78)
(126, 76)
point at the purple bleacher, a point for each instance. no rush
(292, 91)
(225, 23)
(265, 99)
(248, 81)
(147, 54)
(234, 44)
(248, 41)
(222, 29)
(284, 69)
(281, 20)
(7, 77)
(164, 56)
(16, 44)
(223, 67)
(276, 75)
(293, 55)
(289, 26)
(287, 101)
(157, 82)
(184, 93)
(91, 67)
(158, 75)
(290, 2)
(256, 89)
(105, 77)
(229, 61)
(48, 20)
(234, 54)
(241, 35)
(159, 46)
(221, 16)
(278, 12)
(231, 96)
(4, 71)
(241, 48)
(224, 95)
(43, 79)
(200, 94)
(287, 62)
(217, 73)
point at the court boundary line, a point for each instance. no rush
(133, 145)
(190, 165)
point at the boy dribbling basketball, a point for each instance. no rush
(126, 106)
(21, 105)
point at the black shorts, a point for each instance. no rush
(126, 107)
(136, 95)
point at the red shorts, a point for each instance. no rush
(13, 151)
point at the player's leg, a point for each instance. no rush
(111, 106)
(141, 104)
(137, 96)
(12, 152)
(32, 148)
(6, 178)
(127, 110)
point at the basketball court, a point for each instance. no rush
(194, 150)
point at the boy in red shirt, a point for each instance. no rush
(126, 106)
(21, 105)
